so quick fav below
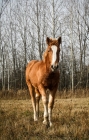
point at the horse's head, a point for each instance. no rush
(52, 52)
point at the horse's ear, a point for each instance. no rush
(47, 40)
(59, 40)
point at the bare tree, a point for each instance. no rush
(24, 26)
(4, 4)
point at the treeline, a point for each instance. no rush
(17, 80)
(24, 26)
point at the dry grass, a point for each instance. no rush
(24, 94)
(70, 120)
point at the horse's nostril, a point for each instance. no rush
(51, 66)
(54, 67)
(57, 66)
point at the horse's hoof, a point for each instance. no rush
(50, 124)
(35, 120)
(45, 122)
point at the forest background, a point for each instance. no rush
(24, 26)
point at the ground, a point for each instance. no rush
(70, 120)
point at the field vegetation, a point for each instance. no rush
(70, 117)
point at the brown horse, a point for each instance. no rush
(43, 75)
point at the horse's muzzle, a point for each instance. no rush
(54, 67)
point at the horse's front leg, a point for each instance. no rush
(45, 103)
(50, 106)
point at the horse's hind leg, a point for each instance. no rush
(32, 93)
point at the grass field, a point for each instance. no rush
(70, 120)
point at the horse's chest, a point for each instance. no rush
(50, 80)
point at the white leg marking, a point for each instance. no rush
(50, 106)
(34, 109)
(45, 103)
(50, 116)
(35, 116)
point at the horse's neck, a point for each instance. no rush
(46, 61)
(48, 64)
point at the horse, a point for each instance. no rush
(43, 75)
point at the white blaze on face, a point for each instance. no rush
(54, 49)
